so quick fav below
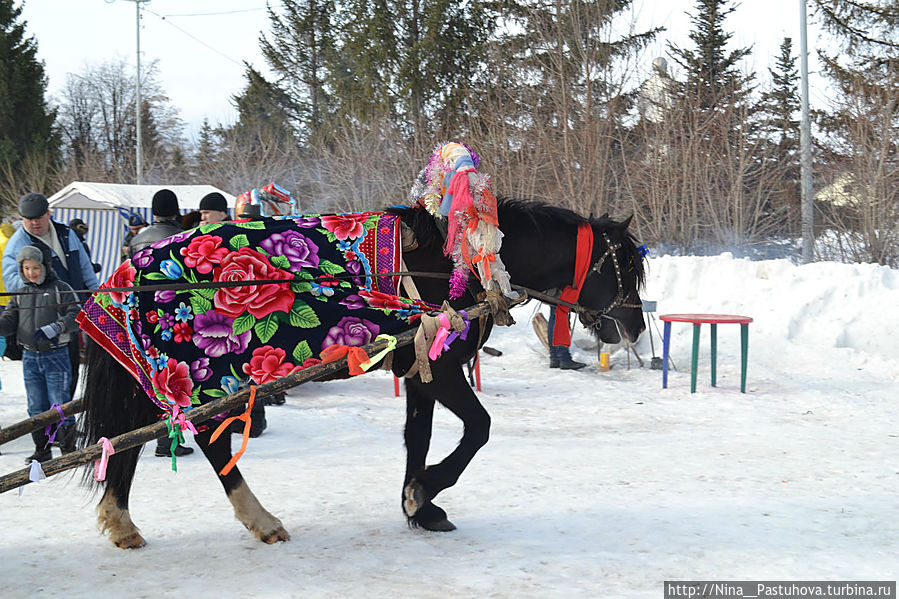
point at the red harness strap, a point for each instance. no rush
(561, 334)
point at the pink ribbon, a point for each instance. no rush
(442, 333)
(62, 417)
(101, 462)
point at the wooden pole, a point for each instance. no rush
(217, 406)
(14, 431)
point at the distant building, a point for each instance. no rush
(655, 94)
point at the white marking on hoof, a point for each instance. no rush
(116, 523)
(412, 498)
(256, 518)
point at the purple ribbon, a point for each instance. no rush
(464, 335)
(62, 418)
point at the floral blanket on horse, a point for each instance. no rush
(191, 344)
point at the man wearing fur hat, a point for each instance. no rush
(166, 221)
(43, 318)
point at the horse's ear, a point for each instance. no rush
(627, 222)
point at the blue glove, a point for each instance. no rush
(47, 332)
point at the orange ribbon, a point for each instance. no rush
(355, 357)
(486, 259)
(246, 431)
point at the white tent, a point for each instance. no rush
(105, 207)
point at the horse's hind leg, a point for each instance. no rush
(113, 517)
(247, 508)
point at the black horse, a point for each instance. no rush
(539, 251)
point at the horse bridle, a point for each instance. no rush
(619, 299)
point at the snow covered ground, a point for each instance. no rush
(597, 484)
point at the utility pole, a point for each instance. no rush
(805, 147)
(139, 149)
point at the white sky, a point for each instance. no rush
(201, 45)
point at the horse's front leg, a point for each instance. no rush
(247, 508)
(451, 389)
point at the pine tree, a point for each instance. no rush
(713, 76)
(779, 129)
(27, 123)
(298, 50)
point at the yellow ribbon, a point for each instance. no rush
(391, 345)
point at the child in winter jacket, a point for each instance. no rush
(43, 319)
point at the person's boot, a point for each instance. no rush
(42, 451)
(164, 449)
(561, 358)
(66, 437)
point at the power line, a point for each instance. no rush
(215, 14)
(193, 37)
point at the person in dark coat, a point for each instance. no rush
(166, 221)
(80, 227)
(136, 224)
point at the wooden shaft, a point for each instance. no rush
(14, 431)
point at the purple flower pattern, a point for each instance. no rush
(214, 334)
(351, 330)
(293, 245)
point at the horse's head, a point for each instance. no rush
(611, 289)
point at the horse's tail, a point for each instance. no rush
(113, 404)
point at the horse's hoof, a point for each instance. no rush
(278, 535)
(431, 517)
(133, 541)
(443, 525)
(413, 498)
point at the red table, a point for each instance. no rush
(714, 320)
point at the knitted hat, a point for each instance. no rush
(214, 201)
(165, 203)
(33, 205)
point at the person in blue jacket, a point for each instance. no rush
(70, 261)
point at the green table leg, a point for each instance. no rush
(695, 358)
(714, 354)
(744, 355)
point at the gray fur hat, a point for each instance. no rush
(35, 254)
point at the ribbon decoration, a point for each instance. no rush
(246, 432)
(101, 462)
(35, 474)
(177, 438)
(391, 345)
(561, 335)
(62, 417)
(456, 334)
(440, 337)
(486, 259)
(355, 357)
